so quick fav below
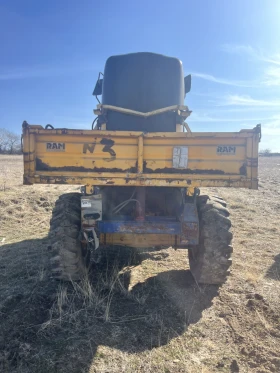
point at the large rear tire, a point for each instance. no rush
(68, 261)
(211, 259)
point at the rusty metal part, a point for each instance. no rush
(189, 223)
(140, 227)
(145, 180)
(41, 166)
(138, 240)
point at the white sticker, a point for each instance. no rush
(180, 157)
(86, 203)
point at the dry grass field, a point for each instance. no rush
(150, 317)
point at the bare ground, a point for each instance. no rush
(150, 317)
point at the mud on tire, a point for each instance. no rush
(211, 259)
(68, 262)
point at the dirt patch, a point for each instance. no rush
(150, 317)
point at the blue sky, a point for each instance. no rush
(52, 51)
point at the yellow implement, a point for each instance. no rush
(140, 169)
(123, 158)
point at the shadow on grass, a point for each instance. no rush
(48, 326)
(274, 271)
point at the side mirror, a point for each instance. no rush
(98, 88)
(188, 83)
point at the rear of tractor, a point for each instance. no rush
(141, 168)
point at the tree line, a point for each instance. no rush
(268, 153)
(10, 142)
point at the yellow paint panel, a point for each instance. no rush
(133, 158)
(138, 240)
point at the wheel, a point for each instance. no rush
(211, 259)
(68, 262)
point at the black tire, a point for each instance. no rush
(211, 259)
(68, 262)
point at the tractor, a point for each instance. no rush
(140, 168)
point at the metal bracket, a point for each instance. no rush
(183, 110)
(189, 225)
